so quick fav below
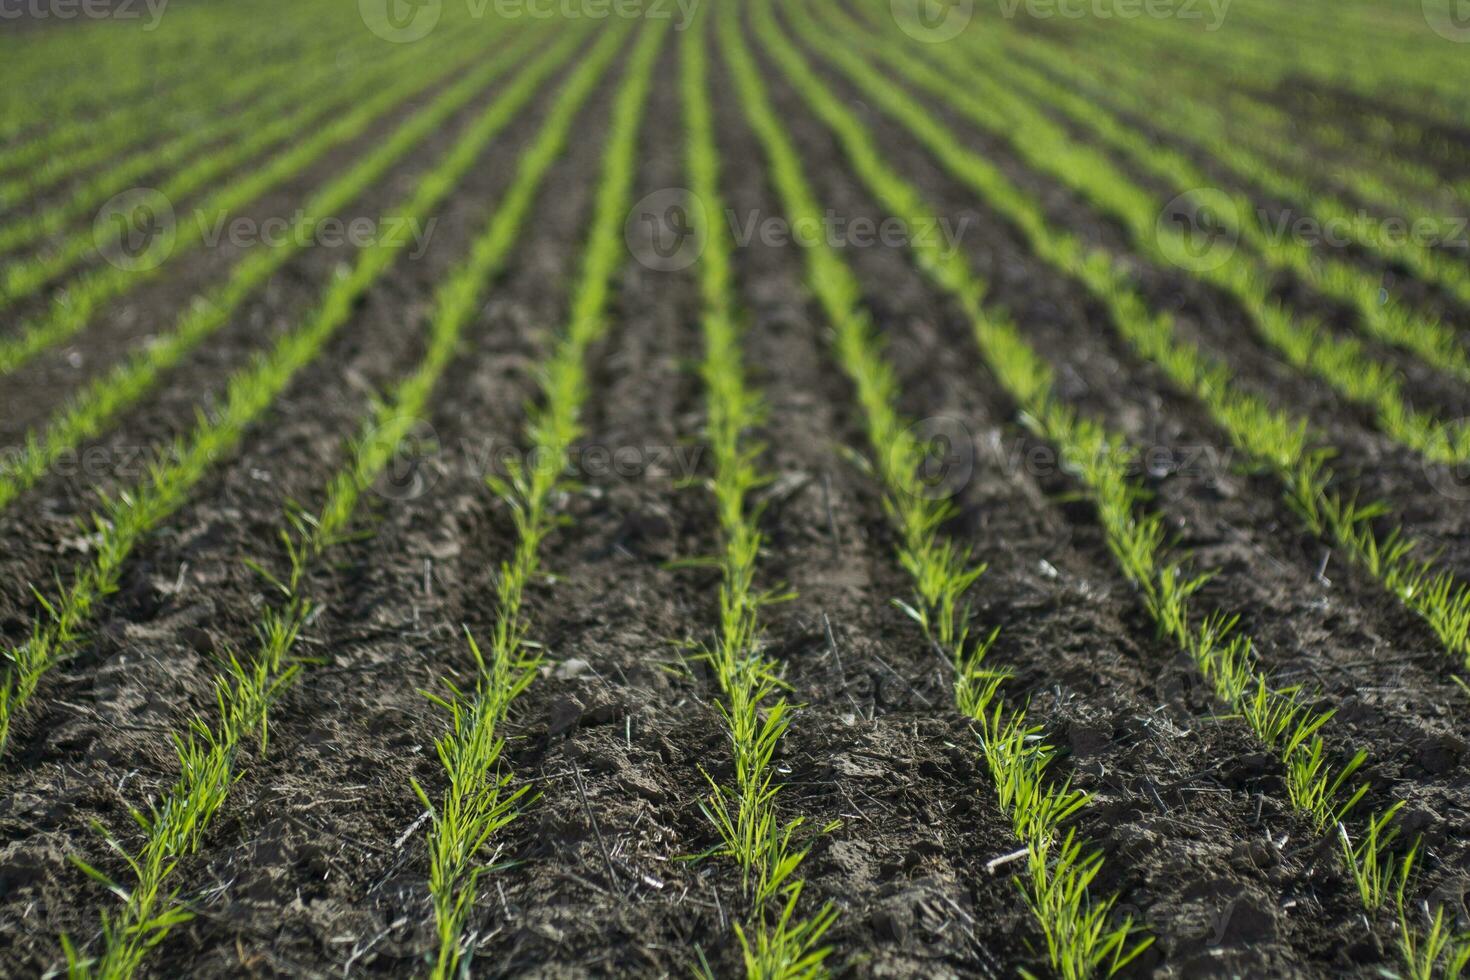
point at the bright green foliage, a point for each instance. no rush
(1344, 363)
(245, 694)
(1274, 438)
(1378, 50)
(123, 520)
(478, 801)
(1269, 150)
(27, 276)
(74, 307)
(1430, 948)
(1292, 144)
(1282, 169)
(1373, 869)
(754, 707)
(1437, 953)
(222, 92)
(283, 88)
(94, 406)
(173, 828)
(1081, 935)
(1381, 314)
(1280, 718)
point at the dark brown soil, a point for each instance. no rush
(1428, 298)
(1310, 630)
(316, 864)
(1397, 125)
(151, 308)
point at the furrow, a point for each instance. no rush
(1293, 450)
(136, 64)
(1080, 937)
(246, 692)
(91, 409)
(1345, 364)
(218, 92)
(73, 308)
(1319, 784)
(1385, 316)
(478, 801)
(277, 90)
(782, 939)
(125, 519)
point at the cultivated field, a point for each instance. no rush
(783, 488)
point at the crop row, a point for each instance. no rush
(1274, 134)
(1273, 45)
(138, 66)
(1280, 718)
(1375, 122)
(1082, 932)
(275, 88)
(246, 689)
(89, 411)
(125, 518)
(477, 800)
(1288, 445)
(203, 112)
(1344, 363)
(27, 276)
(1081, 937)
(1246, 151)
(74, 306)
(782, 939)
(1383, 316)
